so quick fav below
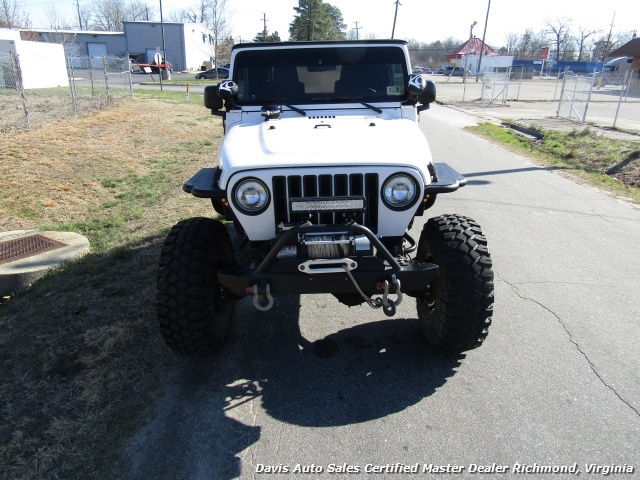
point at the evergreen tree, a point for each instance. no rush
(271, 37)
(316, 20)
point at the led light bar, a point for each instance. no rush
(330, 204)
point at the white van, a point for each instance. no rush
(614, 72)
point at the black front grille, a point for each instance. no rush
(327, 185)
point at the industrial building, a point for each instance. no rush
(188, 45)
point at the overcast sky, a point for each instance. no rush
(422, 20)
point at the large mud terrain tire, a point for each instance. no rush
(194, 310)
(455, 310)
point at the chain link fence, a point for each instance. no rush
(13, 101)
(582, 99)
(94, 82)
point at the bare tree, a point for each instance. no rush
(218, 22)
(582, 39)
(108, 15)
(559, 28)
(511, 40)
(137, 10)
(605, 44)
(85, 15)
(179, 16)
(198, 13)
(432, 54)
(12, 15)
(56, 20)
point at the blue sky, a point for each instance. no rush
(422, 20)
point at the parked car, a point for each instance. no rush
(568, 73)
(211, 74)
(455, 72)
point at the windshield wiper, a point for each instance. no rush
(291, 107)
(359, 100)
(296, 109)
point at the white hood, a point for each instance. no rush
(325, 142)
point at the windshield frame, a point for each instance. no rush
(321, 74)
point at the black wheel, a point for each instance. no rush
(194, 310)
(455, 309)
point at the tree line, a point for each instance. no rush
(319, 20)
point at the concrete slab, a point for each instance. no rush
(19, 269)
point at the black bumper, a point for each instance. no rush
(284, 277)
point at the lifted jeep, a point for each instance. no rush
(318, 173)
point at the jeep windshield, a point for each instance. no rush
(321, 74)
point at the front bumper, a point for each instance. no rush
(284, 276)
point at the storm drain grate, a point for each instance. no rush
(24, 247)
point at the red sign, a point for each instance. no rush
(544, 53)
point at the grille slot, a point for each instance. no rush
(326, 186)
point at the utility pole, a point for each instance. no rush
(606, 45)
(393, 32)
(79, 16)
(164, 51)
(264, 28)
(310, 31)
(466, 55)
(357, 32)
(484, 34)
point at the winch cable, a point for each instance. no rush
(387, 305)
(373, 302)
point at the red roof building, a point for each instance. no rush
(473, 46)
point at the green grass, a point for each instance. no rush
(168, 97)
(80, 351)
(581, 151)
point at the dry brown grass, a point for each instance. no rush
(80, 352)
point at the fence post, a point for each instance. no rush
(130, 77)
(72, 84)
(90, 65)
(564, 79)
(20, 85)
(106, 77)
(625, 86)
(586, 107)
(519, 83)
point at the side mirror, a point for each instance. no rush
(211, 98)
(422, 90)
(429, 94)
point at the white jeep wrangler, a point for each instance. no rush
(319, 175)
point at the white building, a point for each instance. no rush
(188, 45)
(42, 64)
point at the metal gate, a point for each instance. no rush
(574, 97)
(495, 87)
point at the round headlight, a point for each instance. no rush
(251, 195)
(399, 191)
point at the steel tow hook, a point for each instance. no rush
(256, 298)
(389, 306)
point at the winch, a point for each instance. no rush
(328, 245)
